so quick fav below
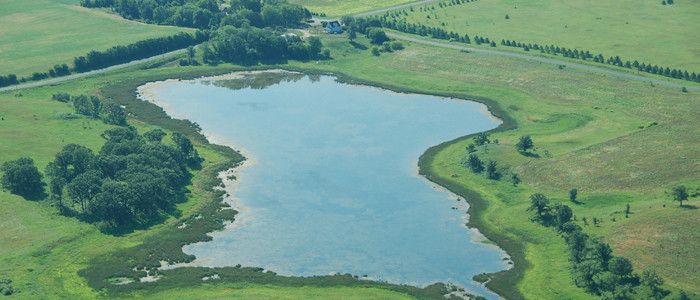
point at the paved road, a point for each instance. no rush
(32, 84)
(619, 74)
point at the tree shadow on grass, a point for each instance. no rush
(358, 45)
(688, 206)
(530, 154)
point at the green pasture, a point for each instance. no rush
(35, 35)
(647, 31)
(592, 132)
(337, 8)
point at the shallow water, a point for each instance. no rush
(332, 184)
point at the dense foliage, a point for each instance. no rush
(21, 177)
(92, 106)
(206, 14)
(249, 44)
(139, 50)
(593, 265)
(131, 181)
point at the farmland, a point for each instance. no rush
(54, 32)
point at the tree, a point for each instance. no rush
(84, 187)
(112, 113)
(21, 177)
(524, 144)
(651, 285)
(481, 139)
(514, 179)
(573, 193)
(188, 151)
(352, 34)
(680, 194)
(492, 171)
(377, 36)
(620, 266)
(475, 164)
(154, 135)
(564, 214)
(539, 203)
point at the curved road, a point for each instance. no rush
(86, 74)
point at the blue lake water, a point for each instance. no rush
(332, 183)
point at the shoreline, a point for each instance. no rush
(146, 92)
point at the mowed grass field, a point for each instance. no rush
(635, 30)
(336, 8)
(35, 35)
(592, 132)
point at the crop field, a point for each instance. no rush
(337, 8)
(56, 31)
(635, 30)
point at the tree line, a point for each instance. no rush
(139, 50)
(94, 60)
(600, 58)
(593, 265)
(206, 14)
(389, 20)
(249, 44)
(92, 106)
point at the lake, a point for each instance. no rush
(331, 184)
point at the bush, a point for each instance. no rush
(61, 97)
(21, 177)
(6, 287)
(396, 45)
(375, 51)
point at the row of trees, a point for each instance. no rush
(207, 14)
(139, 50)
(92, 106)
(593, 265)
(599, 58)
(250, 44)
(133, 179)
(114, 56)
(7, 80)
(389, 20)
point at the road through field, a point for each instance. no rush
(56, 80)
(619, 74)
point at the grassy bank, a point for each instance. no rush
(54, 32)
(55, 256)
(603, 136)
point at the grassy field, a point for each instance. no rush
(46, 253)
(636, 30)
(336, 8)
(55, 31)
(591, 132)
